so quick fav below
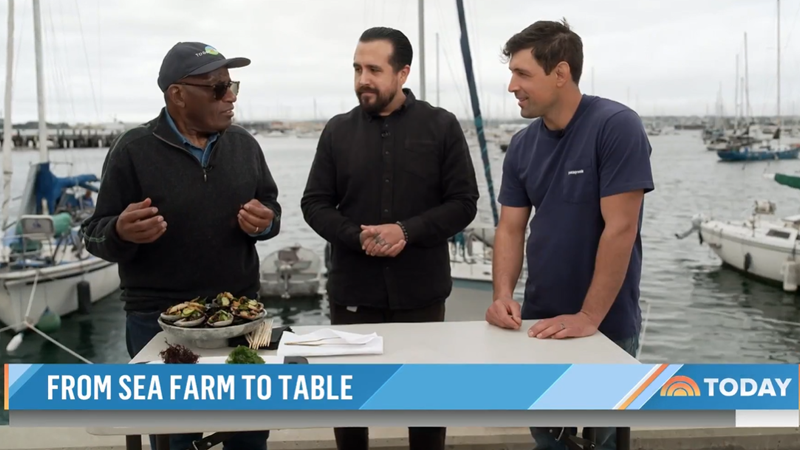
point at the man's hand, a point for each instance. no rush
(504, 313)
(564, 326)
(254, 217)
(140, 224)
(382, 240)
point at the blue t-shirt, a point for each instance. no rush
(603, 151)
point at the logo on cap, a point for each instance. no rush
(209, 50)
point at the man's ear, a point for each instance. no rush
(174, 95)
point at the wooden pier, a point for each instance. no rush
(64, 138)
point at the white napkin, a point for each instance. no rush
(328, 342)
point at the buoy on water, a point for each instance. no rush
(49, 322)
(790, 276)
(84, 297)
(15, 342)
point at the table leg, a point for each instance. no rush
(162, 442)
(133, 442)
(589, 435)
(623, 439)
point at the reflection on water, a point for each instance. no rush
(696, 311)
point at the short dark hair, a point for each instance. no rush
(402, 52)
(550, 42)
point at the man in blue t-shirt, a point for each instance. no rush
(584, 167)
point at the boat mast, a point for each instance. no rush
(476, 108)
(779, 73)
(37, 33)
(8, 139)
(736, 99)
(422, 49)
(746, 84)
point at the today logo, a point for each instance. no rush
(209, 50)
(683, 386)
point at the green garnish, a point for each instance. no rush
(244, 355)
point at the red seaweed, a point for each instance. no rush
(178, 354)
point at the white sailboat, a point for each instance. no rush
(763, 245)
(43, 264)
(471, 256)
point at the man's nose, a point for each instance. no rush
(364, 80)
(229, 96)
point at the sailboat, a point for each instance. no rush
(764, 245)
(740, 136)
(768, 150)
(44, 265)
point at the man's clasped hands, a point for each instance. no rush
(382, 240)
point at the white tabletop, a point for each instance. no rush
(475, 342)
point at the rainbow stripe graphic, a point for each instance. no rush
(642, 386)
(5, 387)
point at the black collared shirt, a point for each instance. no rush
(412, 166)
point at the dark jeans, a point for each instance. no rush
(140, 328)
(419, 438)
(605, 438)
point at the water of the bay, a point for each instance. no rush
(695, 310)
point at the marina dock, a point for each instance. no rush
(64, 138)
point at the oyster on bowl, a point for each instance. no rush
(223, 300)
(191, 316)
(175, 313)
(221, 318)
(247, 308)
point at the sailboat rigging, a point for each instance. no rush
(476, 107)
(475, 263)
(7, 124)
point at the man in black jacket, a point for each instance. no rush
(183, 201)
(391, 181)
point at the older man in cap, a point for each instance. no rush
(183, 201)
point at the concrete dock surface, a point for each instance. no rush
(461, 438)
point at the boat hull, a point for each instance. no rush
(295, 289)
(298, 274)
(736, 155)
(56, 289)
(751, 250)
(471, 261)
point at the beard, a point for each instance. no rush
(380, 101)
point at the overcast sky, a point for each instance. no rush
(666, 57)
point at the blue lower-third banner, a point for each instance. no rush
(446, 387)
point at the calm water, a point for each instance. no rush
(698, 312)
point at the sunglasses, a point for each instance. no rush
(220, 89)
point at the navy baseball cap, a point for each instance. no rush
(193, 58)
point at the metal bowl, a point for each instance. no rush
(205, 337)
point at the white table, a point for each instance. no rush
(474, 342)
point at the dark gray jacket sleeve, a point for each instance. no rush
(119, 188)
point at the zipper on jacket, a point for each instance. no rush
(205, 170)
